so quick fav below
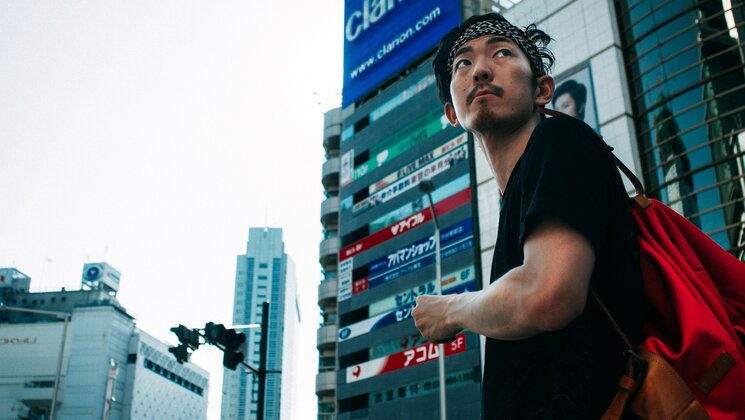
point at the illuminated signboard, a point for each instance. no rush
(401, 213)
(404, 359)
(403, 184)
(418, 131)
(406, 224)
(454, 239)
(412, 166)
(381, 37)
(397, 308)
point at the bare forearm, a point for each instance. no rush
(545, 293)
(501, 310)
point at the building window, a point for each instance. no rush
(152, 366)
(39, 384)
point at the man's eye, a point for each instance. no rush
(461, 63)
(503, 52)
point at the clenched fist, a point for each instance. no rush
(433, 317)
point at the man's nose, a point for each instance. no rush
(482, 72)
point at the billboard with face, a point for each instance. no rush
(381, 37)
(575, 95)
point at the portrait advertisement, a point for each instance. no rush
(575, 95)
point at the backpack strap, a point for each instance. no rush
(640, 198)
(636, 369)
(636, 366)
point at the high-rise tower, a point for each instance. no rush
(378, 253)
(264, 273)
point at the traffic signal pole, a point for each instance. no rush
(227, 340)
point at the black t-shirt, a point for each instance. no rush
(566, 173)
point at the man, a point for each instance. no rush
(564, 228)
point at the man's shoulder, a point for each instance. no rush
(564, 134)
(563, 125)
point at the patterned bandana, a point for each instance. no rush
(501, 28)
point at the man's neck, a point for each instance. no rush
(504, 147)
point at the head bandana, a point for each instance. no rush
(501, 28)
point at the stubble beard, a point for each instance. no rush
(486, 121)
(493, 120)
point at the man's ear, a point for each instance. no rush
(544, 90)
(450, 113)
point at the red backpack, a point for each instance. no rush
(694, 303)
(694, 318)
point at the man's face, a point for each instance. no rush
(492, 84)
(565, 103)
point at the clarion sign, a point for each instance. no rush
(382, 37)
(360, 20)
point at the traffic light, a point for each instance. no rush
(231, 360)
(215, 333)
(186, 336)
(232, 341)
(181, 352)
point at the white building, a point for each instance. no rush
(83, 347)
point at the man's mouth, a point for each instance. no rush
(483, 89)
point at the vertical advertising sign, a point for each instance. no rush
(575, 95)
(381, 37)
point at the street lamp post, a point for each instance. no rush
(426, 187)
(66, 318)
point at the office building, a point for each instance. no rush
(378, 252)
(660, 80)
(684, 67)
(82, 349)
(264, 273)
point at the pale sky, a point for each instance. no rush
(152, 135)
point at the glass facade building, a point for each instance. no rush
(684, 63)
(264, 273)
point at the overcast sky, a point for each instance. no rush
(152, 135)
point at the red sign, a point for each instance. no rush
(359, 286)
(411, 357)
(404, 225)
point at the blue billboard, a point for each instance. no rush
(381, 37)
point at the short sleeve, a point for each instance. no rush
(566, 176)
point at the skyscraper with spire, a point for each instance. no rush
(264, 273)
